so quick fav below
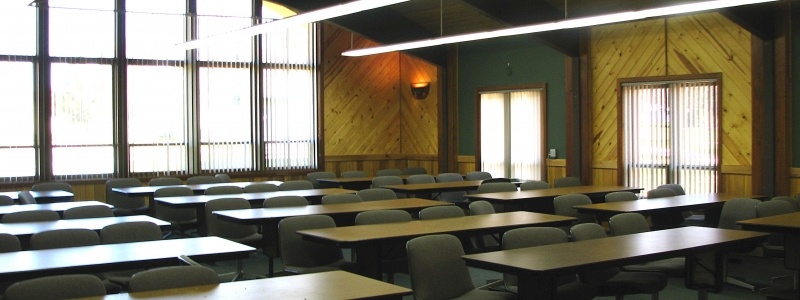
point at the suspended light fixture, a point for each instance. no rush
(304, 18)
(558, 25)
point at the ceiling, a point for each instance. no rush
(424, 19)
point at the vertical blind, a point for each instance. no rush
(671, 134)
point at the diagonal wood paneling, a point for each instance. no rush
(710, 43)
(419, 125)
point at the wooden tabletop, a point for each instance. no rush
(200, 200)
(40, 194)
(435, 187)
(31, 228)
(89, 259)
(57, 206)
(266, 215)
(550, 193)
(645, 206)
(787, 223)
(326, 285)
(197, 188)
(543, 263)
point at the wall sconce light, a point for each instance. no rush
(420, 90)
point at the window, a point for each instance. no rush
(512, 132)
(671, 134)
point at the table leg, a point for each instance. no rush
(269, 236)
(202, 228)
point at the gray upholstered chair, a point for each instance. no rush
(53, 186)
(496, 187)
(568, 285)
(30, 216)
(441, 212)
(438, 272)
(294, 185)
(379, 181)
(632, 223)
(261, 188)
(353, 174)
(457, 196)
(788, 199)
(612, 281)
(735, 210)
(341, 198)
(223, 178)
(620, 196)
(534, 185)
(224, 190)
(128, 232)
(773, 247)
(25, 197)
(484, 242)
(389, 172)
(6, 200)
(63, 238)
(420, 178)
(285, 201)
(202, 179)
(300, 256)
(56, 287)
(478, 175)
(393, 254)
(9, 243)
(180, 219)
(677, 188)
(414, 171)
(172, 277)
(244, 234)
(123, 204)
(563, 206)
(313, 176)
(374, 194)
(668, 219)
(567, 182)
(165, 181)
(86, 212)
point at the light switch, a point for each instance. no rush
(552, 153)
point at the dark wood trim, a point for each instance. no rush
(450, 113)
(783, 98)
(762, 106)
(582, 168)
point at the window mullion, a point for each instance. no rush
(192, 127)
(43, 99)
(120, 98)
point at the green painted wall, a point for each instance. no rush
(483, 64)
(795, 87)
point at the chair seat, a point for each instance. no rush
(628, 283)
(478, 294)
(672, 267)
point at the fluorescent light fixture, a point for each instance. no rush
(304, 18)
(564, 24)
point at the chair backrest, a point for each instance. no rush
(128, 232)
(30, 216)
(294, 185)
(773, 207)
(341, 198)
(621, 196)
(788, 199)
(563, 207)
(260, 188)
(457, 196)
(173, 191)
(164, 181)
(353, 174)
(57, 287)
(295, 251)
(478, 175)
(25, 197)
(436, 268)
(382, 216)
(285, 201)
(313, 176)
(628, 223)
(9, 243)
(224, 190)
(660, 193)
(123, 201)
(589, 231)
(52, 186)
(6, 200)
(496, 179)
(223, 178)
(376, 194)
(86, 212)
(420, 178)
(481, 207)
(441, 212)
(496, 187)
(414, 170)
(380, 181)
(567, 182)
(735, 210)
(172, 277)
(202, 179)
(677, 188)
(171, 214)
(534, 185)
(389, 172)
(63, 238)
(530, 237)
(225, 229)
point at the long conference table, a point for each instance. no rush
(542, 200)
(28, 264)
(344, 213)
(789, 225)
(350, 183)
(425, 190)
(367, 240)
(325, 285)
(53, 195)
(26, 229)
(538, 268)
(58, 207)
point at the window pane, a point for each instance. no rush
(290, 119)
(225, 129)
(493, 134)
(82, 28)
(154, 28)
(17, 154)
(156, 119)
(82, 119)
(219, 17)
(17, 28)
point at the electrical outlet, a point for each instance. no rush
(552, 153)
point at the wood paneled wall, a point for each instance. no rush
(693, 44)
